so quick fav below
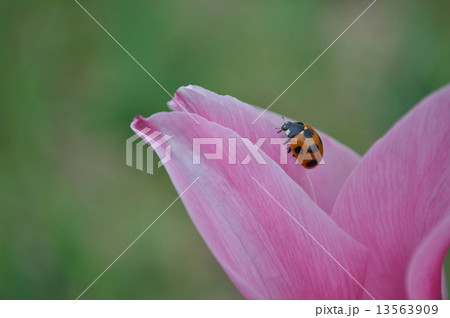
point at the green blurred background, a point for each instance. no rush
(69, 204)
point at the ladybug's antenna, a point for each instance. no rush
(284, 120)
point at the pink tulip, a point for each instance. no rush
(372, 227)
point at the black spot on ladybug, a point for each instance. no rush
(313, 148)
(311, 163)
(308, 133)
(298, 150)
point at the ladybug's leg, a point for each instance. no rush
(286, 141)
(289, 149)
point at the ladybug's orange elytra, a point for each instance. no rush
(304, 143)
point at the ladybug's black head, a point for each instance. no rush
(286, 126)
(292, 129)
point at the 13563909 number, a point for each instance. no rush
(407, 309)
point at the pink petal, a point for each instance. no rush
(236, 115)
(327, 179)
(444, 285)
(265, 253)
(424, 279)
(399, 192)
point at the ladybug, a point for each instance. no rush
(304, 142)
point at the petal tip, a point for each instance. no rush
(138, 122)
